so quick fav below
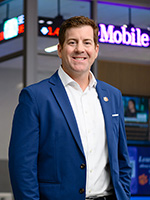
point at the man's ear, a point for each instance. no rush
(59, 48)
(97, 50)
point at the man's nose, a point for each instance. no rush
(79, 47)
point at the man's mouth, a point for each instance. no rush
(79, 58)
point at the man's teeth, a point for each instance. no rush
(79, 58)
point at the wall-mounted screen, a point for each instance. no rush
(136, 110)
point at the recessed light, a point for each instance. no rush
(51, 49)
(148, 28)
(49, 22)
(41, 21)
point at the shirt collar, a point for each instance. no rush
(66, 79)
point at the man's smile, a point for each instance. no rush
(79, 58)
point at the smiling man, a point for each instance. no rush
(68, 138)
(78, 53)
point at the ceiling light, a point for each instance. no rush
(49, 22)
(51, 49)
(148, 28)
(41, 21)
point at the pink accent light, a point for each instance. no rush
(124, 36)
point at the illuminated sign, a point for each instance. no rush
(15, 27)
(122, 35)
(10, 28)
(49, 31)
(140, 164)
(49, 27)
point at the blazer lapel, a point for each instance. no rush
(60, 94)
(105, 101)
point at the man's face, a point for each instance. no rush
(79, 51)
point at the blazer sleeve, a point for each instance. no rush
(23, 148)
(124, 163)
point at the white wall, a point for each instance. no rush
(10, 80)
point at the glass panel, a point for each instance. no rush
(66, 8)
(10, 84)
(10, 24)
(9, 9)
(109, 13)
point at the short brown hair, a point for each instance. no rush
(74, 22)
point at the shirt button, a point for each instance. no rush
(89, 131)
(82, 166)
(90, 191)
(81, 190)
(86, 112)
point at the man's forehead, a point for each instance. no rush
(79, 27)
(76, 31)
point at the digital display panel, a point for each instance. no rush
(11, 28)
(136, 110)
(140, 163)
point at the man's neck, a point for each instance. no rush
(83, 80)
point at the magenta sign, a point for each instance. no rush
(126, 36)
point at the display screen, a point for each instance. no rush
(136, 110)
(11, 28)
(140, 163)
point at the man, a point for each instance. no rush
(68, 139)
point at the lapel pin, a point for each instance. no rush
(106, 99)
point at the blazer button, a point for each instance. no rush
(82, 166)
(81, 190)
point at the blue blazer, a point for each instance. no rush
(46, 156)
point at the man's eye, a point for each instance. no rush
(87, 43)
(72, 42)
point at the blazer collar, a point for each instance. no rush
(61, 97)
(105, 101)
(106, 104)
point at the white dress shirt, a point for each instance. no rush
(88, 112)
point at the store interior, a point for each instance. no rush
(124, 66)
